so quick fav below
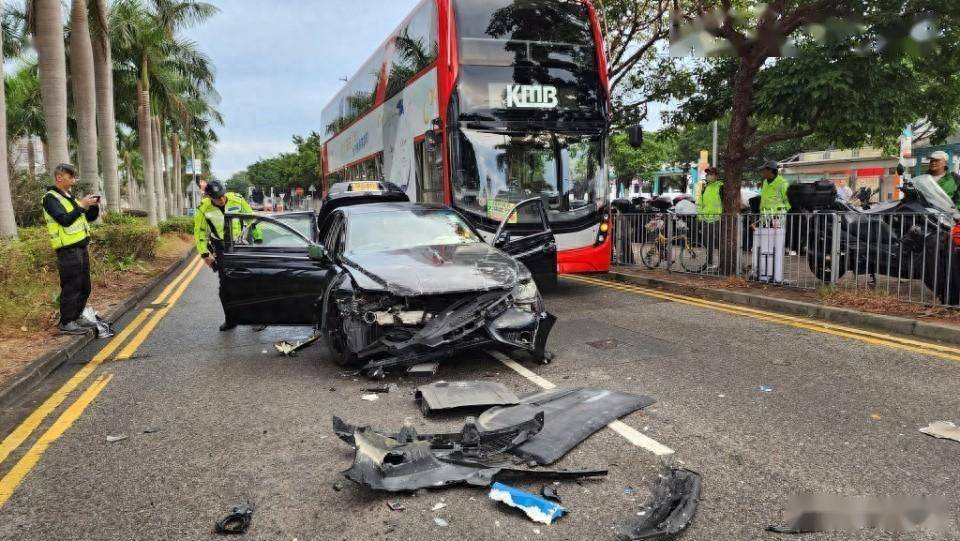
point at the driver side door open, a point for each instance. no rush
(267, 276)
(530, 240)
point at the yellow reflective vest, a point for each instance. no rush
(710, 204)
(208, 221)
(60, 236)
(773, 196)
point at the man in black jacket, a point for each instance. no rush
(68, 224)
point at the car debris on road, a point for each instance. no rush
(946, 430)
(674, 503)
(536, 508)
(237, 522)
(444, 395)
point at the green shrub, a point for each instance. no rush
(121, 218)
(127, 241)
(177, 224)
(27, 192)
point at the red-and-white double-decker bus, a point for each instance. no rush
(480, 104)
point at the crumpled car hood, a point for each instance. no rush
(433, 270)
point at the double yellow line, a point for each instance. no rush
(170, 294)
(877, 339)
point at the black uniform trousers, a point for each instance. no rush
(73, 262)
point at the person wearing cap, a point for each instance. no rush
(945, 179)
(773, 191)
(709, 209)
(68, 225)
(208, 225)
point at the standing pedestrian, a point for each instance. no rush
(770, 238)
(945, 179)
(709, 210)
(68, 224)
(208, 227)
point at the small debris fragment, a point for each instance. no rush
(389, 388)
(721, 395)
(338, 486)
(396, 506)
(237, 521)
(765, 389)
(875, 416)
(263, 351)
(370, 397)
(150, 430)
(440, 522)
(118, 437)
(942, 430)
(550, 493)
(438, 506)
(536, 508)
(423, 369)
(536, 531)
(629, 490)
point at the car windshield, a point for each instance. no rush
(499, 170)
(407, 228)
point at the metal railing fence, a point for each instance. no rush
(909, 256)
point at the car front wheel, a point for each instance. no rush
(337, 342)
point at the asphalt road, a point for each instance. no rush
(234, 422)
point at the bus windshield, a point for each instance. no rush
(498, 170)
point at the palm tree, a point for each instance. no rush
(8, 224)
(46, 24)
(84, 94)
(106, 117)
(131, 166)
(25, 109)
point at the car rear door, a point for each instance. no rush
(526, 235)
(267, 276)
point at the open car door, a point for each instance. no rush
(526, 235)
(271, 273)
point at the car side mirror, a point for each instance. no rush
(502, 238)
(317, 252)
(635, 136)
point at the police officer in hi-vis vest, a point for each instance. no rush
(208, 225)
(68, 224)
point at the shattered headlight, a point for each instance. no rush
(526, 294)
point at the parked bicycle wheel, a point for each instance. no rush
(693, 257)
(649, 255)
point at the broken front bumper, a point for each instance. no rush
(488, 319)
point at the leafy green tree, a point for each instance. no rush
(659, 148)
(239, 182)
(289, 169)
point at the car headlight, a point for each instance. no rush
(526, 292)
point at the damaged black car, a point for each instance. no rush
(392, 284)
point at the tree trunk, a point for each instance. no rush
(167, 173)
(106, 117)
(177, 171)
(158, 173)
(84, 96)
(735, 160)
(31, 157)
(48, 40)
(8, 223)
(144, 135)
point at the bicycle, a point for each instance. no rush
(692, 254)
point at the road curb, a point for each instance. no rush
(866, 320)
(38, 370)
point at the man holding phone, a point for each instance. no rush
(68, 224)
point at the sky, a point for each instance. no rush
(278, 64)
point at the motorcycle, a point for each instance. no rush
(914, 238)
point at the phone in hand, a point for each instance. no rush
(97, 197)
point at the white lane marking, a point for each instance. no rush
(628, 432)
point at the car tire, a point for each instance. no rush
(337, 343)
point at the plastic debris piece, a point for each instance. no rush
(550, 493)
(389, 388)
(629, 490)
(440, 522)
(765, 389)
(118, 437)
(370, 397)
(237, 521)
(150, 430)
(675, 501)
(945, 430)
(536, 508)
(423, 369)
(263, 351)
(444, 395)
(396, 506)
(438, 506)
(290, 350)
